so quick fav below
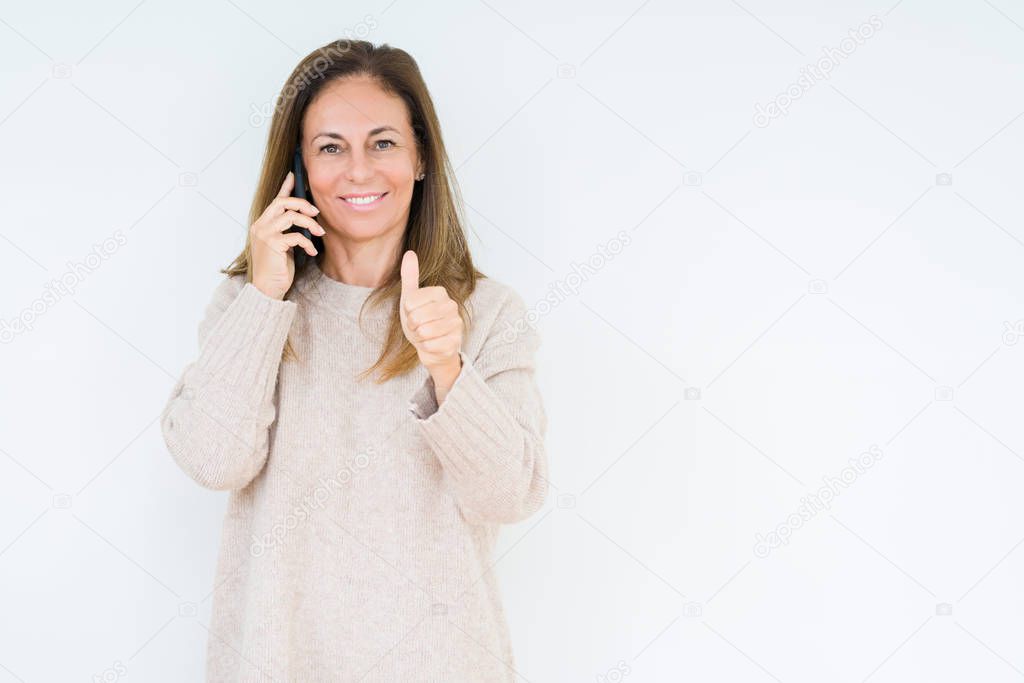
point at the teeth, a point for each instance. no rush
(363, 200)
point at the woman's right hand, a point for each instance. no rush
(273, 266)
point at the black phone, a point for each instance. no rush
(301, 191)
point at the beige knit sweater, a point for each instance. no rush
(358, 539)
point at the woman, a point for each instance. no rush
(357, 543)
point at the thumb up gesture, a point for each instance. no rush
(430, 320)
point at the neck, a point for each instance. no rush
(364, 263)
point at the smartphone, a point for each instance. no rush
(302, 192)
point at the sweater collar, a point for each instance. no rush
(340, 297)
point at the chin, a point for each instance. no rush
(362, 231)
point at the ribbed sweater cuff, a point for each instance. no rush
(472, 431)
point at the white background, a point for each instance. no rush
(792, 295)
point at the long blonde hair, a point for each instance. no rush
(434, 230)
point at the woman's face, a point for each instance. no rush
(357, 140)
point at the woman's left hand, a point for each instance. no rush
(431, 322)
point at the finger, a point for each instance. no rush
(439, 345)
(428, 296)
(287, 185)
(294, 204)
(290, 218)
(436, 329)
(410, 274)
(293, 239)
(430, 311)
(278, 207)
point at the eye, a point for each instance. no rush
(389, 142)
(329, 144)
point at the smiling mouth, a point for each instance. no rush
(364, 200)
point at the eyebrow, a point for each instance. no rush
(339, 136)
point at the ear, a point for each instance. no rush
(421, 167)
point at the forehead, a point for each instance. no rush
(354, 106)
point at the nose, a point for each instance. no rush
(360, 167)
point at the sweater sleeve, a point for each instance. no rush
(217, 419)
(489, 431)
